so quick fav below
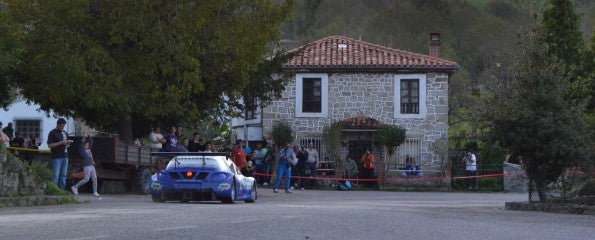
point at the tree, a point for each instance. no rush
(532, 118)
(282, 134)
(332, 136)
(10, 50)
(561, 32)
(263, 87)
(584, 86)
(390, 136)
(118, 62)
(564, 40)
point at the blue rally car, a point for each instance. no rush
(202, 177)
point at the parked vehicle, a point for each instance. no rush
(202, 177)
(116, 161)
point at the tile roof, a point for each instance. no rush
(342, 53)
(361, 122)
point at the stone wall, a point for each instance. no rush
(371, 95)
(16, 179)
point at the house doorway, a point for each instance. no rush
(358, 148)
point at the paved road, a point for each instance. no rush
(300, 215)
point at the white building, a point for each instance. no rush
(29, 119)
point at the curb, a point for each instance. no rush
(548, 207)
(35, 201)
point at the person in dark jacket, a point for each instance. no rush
(302, 156)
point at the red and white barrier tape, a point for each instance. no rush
(410, 179)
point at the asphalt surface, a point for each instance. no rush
(305, 214)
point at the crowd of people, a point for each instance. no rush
(15, 138)
(173, 141)
(12, 138)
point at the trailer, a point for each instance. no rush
(116, 161)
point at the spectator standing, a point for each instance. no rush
(349, 168)
(18, 140)
(245, 147)
(312, 162)
(368, 160)
(184, 146)
(302, 156)
(238, 156)
(267, 164)
(88, 166)
(9, 131)
(157, 139)
(4, 139)
(471, 169)
(259, 154)
(179, 133)
(58, 143)
(32, 142)
(250, 164)
(284, 168)
(196, 143)
(171, 141)
(210, 148)
(137, 142)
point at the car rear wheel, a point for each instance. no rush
(142, 180)
(253, 194)
(232, 196)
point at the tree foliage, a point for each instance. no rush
(332, 136)
(390, 136)
(532, 118)
(10, 49)
(561, 32)
(282, 134)
(122, 64)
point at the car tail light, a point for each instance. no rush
(189, 174)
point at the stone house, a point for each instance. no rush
(364, 85)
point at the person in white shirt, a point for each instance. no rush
(471, 168)
(157, 139)
(311, 163)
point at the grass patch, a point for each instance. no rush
(40, 171)
(53, 190)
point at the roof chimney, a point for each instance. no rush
(434, 44)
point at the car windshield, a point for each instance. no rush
(215, 162)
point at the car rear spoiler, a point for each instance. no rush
(174, 154)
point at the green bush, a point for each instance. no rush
(491, 154)
(491, 184)
(282, 133)
(40, 171)
(588, 189)
(53, 190)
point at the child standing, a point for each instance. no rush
(88, 166)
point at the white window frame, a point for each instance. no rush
(25, 135)
(422, 95)
(299, 94)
